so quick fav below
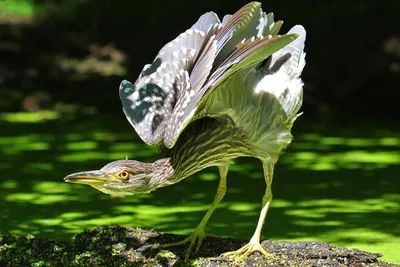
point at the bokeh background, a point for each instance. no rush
(61, 63)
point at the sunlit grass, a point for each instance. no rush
(86, 145)
(318, 139)
(346, 159)
(327, 187)
(29, 117)
(16, 7)
(24, 139)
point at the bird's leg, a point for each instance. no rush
(198, 235)
(254, 243)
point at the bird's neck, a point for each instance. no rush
(205, 143)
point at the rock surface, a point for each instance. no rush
(122, 246)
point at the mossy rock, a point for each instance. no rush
(123, 246)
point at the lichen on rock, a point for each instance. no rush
(120, 246)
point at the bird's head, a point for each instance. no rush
(124, 177)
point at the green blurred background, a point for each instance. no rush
(60, 66)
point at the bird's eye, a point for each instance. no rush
(124, 174)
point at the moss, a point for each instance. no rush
(122, 246)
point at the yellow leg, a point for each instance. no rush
(198, 235)
(254, 243)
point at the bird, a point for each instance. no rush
(220, 90)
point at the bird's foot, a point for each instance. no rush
(195, 238)
(246, 250)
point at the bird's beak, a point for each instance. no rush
(88, 177)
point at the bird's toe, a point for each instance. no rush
(196, 238)
(247, 250)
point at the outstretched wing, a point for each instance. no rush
(238, 47)
(168, 91)
(148, 104)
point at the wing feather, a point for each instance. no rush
(149, 103)
(182, 113)
(251, 52)
(206, 21)
(241, 25)
(170, 90)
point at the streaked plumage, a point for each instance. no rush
(218, 91)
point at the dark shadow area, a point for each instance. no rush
(77, 52)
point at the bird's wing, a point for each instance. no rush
(166, 95)
(149, 103)
(295, 63)
(262, 100)
(282, 78)
(278, 78)
(239, 44)
(205, 21)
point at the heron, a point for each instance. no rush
(222, 89)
